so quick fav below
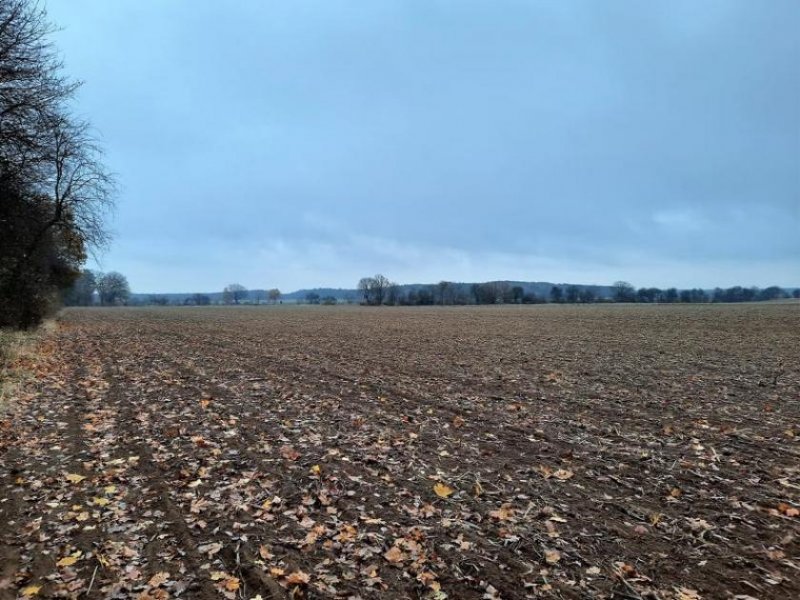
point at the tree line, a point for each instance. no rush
(92, 287)
(111, 289)
(54, 189)
(379, 290)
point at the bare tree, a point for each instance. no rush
(624, 291)
(234, 293)
(381, 285)
(113, 289)
(365, 286)
(374, 289)
(274, 295)
(56, 191)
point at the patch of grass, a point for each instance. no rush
(14, 347)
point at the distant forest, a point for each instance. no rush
(112, 289)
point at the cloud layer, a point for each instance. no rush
(309, 143)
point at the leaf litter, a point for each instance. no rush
(352, 453)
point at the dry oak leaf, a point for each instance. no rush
(776, 554)
(552, 556)
(232, 584)
(442, 490)
(506, 511)
(394, 555)
(298, 578)
(158, 579)
(74, 478)
(563, 474)
(210, 549)
(289, 453)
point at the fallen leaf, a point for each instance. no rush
(289, 453)
(394, 555)
(31, 590)
(298, 578)
(505, 512)
(552, 556)
(158, 579)
(442, 490)
(210, 549)
(74, 478)
(67, 561)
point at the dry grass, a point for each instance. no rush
(17, 348)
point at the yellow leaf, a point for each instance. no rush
(67, 561)
(442, 490)
(31, 590)
(101, 501)
(110, 489)
(316, 470)
(74, 478)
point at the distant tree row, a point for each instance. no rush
(106, 289)
(236, 293)
(625, 292)
(379, 290)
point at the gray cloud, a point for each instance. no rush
(304, 143)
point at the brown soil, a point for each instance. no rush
(565, 452)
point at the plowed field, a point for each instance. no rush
(347, 452)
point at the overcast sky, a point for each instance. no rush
(301, 144)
